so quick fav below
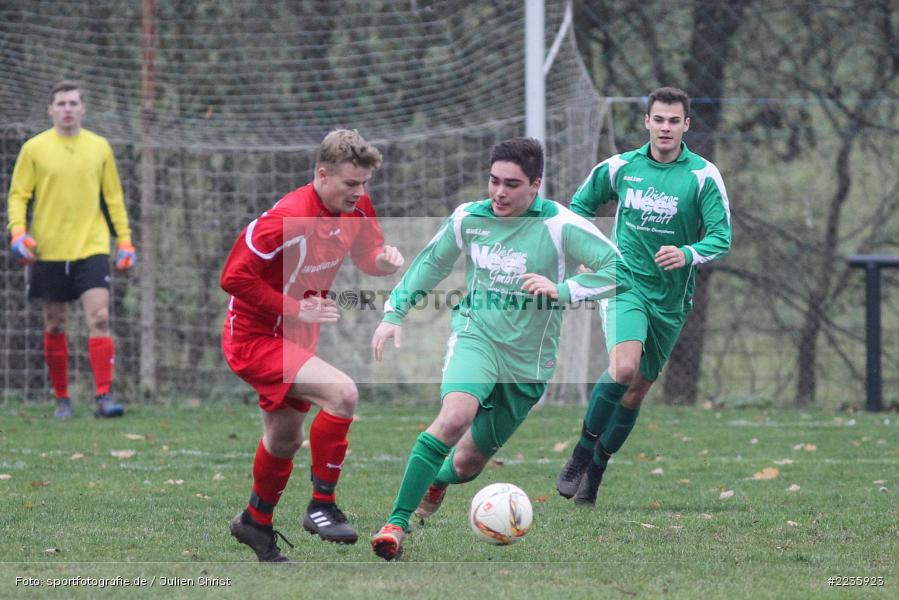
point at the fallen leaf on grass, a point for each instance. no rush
(706, 516)
(519, 456)
(793, 488)
(647, 526)
(686, 439)
(202, 496)
(754, 441)
(766, 474)
(40, 483)
(218, 477)
(653, 426)
(684, 481)
(541, 499)
(305, 444)
(560, 446)
(806, 447)
(792, 523)
(52, 550)
(136, 436)
(91, 484)
(783, 461)
(175, 481)
(676, 527)
(855, 444)
(5, 476)
(726, 494)
(658, 471)
(504, 572)
(123, 453)
(704, 452)
(76, 456)
(877, 482)
(654, 505)
(497, 462)
(28, 505)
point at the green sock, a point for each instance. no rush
(448, 476)
(604, 398)
(611, 440)
(424, 461)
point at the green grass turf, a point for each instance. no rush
(70, 508)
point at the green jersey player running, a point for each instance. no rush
(672, 216)
(522, 254)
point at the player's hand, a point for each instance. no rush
(384, 332)
(670, 258)
(316, 309)
(539, 285)
(23, 247)
(389, 260)
(126, 257)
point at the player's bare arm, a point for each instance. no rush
(384, 332)
(389, 260)
(316, 309)
(670, 258)
(539, 285)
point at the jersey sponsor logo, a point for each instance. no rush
(505, 265)
(633, 178)
(656, 206)
(334, 232)
(321, 266)
(476, 231)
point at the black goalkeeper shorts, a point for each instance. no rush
(66, 280)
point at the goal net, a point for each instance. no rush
(243, 95)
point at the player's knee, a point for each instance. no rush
(450, 426)
(98, 321)
(624, 371)
(346, 399)
(284, 445)
(56, 326)
(468, 466)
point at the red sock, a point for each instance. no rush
(102, 355)
(270, 475)
(328, 443)
(56, 353)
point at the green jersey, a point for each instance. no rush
(549, 240)
(681, 203)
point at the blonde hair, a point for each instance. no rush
(346, 145)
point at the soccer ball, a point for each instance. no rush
(501, 514)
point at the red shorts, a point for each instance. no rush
(269, 364)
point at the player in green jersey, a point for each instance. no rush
(673, 215)
(522, 254)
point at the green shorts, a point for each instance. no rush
(630, 317)
(473, 365)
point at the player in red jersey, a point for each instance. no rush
(277, 273)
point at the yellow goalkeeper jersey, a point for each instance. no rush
(66, 176)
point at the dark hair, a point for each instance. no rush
(669, 95)
(527, 153)
(65, 86)
(346, 145)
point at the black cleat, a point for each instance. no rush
(586, 492)
(106, 408)
(261, 538)
(573, 471)
(328, 522)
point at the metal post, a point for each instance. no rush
(872, 263)
(535, 82)
(874, 400)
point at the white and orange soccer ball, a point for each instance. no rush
(501, 513)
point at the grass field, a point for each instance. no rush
(150, 496)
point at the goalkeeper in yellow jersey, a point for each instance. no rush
(69, 174)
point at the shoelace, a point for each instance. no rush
(275, 532)
(339, 517)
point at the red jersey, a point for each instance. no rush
(291, 251)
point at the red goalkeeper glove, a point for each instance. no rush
(126, 257)
(23, 247)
